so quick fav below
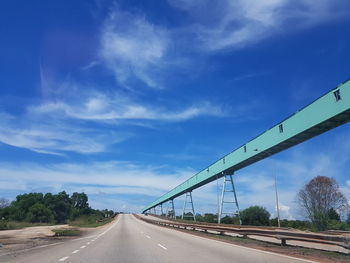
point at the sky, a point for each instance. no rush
(124, 100)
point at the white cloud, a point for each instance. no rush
(69, 123)
(96, 179)
(284, 212)
(112, 175)
(132, 47)
(232, 24)
(50, 135)
(103, 107)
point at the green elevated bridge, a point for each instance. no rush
(327, 112)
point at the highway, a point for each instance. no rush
(129, 239)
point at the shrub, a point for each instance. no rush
(255, 215)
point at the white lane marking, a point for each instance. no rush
(80, 238)
(229, 244)
(63, 259)
(163, 247)
(148, 236)
(88, 243)
(83, 247)
(75, 251)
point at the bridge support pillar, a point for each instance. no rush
(170, 210)
(229, 187)
(188, 200)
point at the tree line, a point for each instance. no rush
(48, 208)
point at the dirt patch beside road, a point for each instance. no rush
(29, 237)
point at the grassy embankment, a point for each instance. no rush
(66, 232)
(9, 225)
(82, 221)
(89, 221)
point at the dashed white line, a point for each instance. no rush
(88, 243)
(83, 247)
(163, 247)
(75, 251)
(63, 259)
(148, 236)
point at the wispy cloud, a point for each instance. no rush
(98, 106)
(132, 47)
(68, 118)
(55, 127)
(228, 24)
(52, 136)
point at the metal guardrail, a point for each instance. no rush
(244, 231)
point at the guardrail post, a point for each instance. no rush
(188, 195)
(228, 186)
(283, 242)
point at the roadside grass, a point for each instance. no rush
(10, 225)
(82, 221)
(90, 221)
(66, 232)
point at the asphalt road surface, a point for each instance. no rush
(130, 240)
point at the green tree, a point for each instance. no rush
(40, 213)
(227, 220)
(61, 207)
(36, 207)
(22, 204)
(333, 215)
(256, 216)
(210, 218)
(80, 200)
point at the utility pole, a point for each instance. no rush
(277, 204)
(218, 198)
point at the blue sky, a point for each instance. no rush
(126, 99)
